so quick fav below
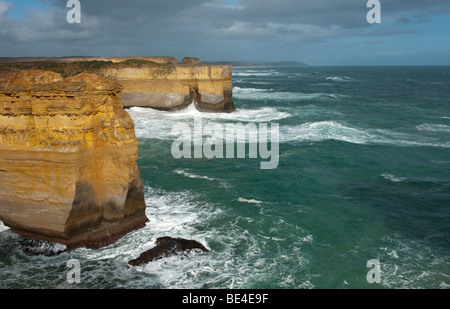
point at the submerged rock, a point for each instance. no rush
(30, 246)
(166, 246)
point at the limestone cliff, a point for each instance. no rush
(68, 152)
(157, 82)
(171, 88)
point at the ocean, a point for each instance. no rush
(363, 175)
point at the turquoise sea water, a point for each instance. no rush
(364, 173)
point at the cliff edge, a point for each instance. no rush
(156, 82)
(175, 87)
(68, 153)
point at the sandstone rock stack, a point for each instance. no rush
(175, 87)
(68, 152)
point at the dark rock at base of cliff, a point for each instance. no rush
(166, 246)
(30, 246)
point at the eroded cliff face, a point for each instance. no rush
(68, 152)
(209, 87)
(157, 82)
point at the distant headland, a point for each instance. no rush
(260, 63)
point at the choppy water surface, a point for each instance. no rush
(364, 173)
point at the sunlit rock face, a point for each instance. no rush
(68, 153)
(209, 87)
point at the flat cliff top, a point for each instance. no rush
(161, 60)
(26, 80)
(67, 67)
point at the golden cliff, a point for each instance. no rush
(209, 87)
(68, 153)
(156, 82)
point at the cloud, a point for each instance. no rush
(276, 31)
(279, 20)
(5, 7)
(203, 27)
(46, 25)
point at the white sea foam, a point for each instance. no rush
(261, 83)
(323, 130)
(250, 201)
(186, 214)
(193, 176)
(440, 161)
(268, 94)
(409, 264)
(393, 178)
(3, 227)
(261, 114)
(255, 73)
(180, 214)
(151, 123)
(388, 137)
(335, 130)
(339, 78)
(433, 127)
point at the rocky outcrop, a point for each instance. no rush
(209, 87)
(166, 246)
(68, 152)
(191, 61)
(156, 82)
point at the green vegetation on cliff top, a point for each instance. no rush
(94, 66)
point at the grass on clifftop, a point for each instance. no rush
(95, 66)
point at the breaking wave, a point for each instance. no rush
(393, 178)
(334, 130)
(323, 130)
(268, 94)
(250, 201)
(433, 127)
(193, 176)
(249, 73)
(151, 123)
(339, 78)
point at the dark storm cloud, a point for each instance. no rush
(136, 27)
(346, 13)
(326, 15)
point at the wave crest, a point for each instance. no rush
(339, 78)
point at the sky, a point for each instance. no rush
(317, 32)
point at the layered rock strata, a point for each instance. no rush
(209, 87)
(156, 82)
(68, 152)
